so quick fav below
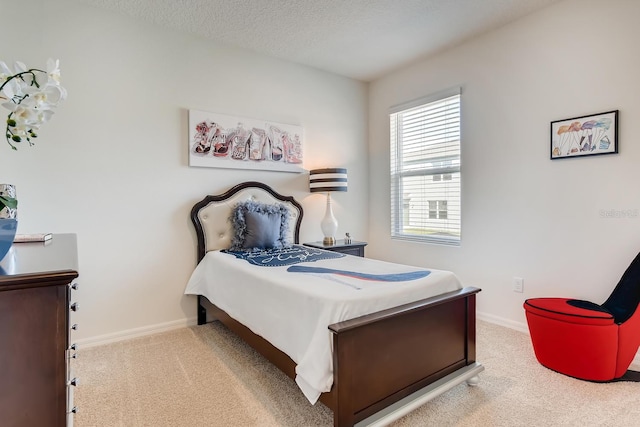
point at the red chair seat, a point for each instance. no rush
(578, 342)
(586, 340)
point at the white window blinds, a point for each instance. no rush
(425, 169)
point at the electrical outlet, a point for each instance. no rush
(518, 284)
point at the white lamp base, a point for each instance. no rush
(329, 224)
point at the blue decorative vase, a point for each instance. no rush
(8, 220)
(8, 227)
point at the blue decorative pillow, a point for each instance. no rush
(259, 226)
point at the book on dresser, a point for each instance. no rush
(35, 237)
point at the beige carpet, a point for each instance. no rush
(205, 376)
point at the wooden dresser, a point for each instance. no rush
(36, 285)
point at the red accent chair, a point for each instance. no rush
(586, 340)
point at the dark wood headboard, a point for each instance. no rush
(210, 216)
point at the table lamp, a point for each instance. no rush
(325, 181)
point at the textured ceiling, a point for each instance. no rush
(362, 39)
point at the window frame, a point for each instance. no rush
(399, 206)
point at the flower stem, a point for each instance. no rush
(31, 71)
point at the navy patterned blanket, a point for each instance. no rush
(281, 257)
(302, 254)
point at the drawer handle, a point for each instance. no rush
(74, 326)
(73, 347)
(74, 410)
(74, 382)
(74, 286)
(75, 306)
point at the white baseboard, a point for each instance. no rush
(135, 333)
(522, 327)
(497, 320)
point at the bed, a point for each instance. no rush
(389, 351)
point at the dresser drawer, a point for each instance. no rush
(32, 357)
(357, 251)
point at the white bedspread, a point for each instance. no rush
(293, 310)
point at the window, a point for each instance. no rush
(437, 209)
(433, 209)
(439, 177)
(425, 169)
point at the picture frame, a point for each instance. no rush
(233, 142)
(595, 134)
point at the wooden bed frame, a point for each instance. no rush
(386, 363)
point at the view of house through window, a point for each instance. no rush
(425, 169)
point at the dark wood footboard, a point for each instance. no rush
(383, 357)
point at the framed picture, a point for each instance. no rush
(585, 135)
(222, 141)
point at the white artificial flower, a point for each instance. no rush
(43, 117)
(54, 94)
(24, 114)
(20, 130)
(31, 96)
(5, 72)
(11, 88)
(19, 67)
(11, 106)
(45, 96)
(53, 70)
(22, 125)
(4, 69)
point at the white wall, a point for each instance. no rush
(112, 165)
(523, 214)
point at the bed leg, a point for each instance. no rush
(473, 381)
(202, 312)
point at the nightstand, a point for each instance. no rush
(354, 248)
